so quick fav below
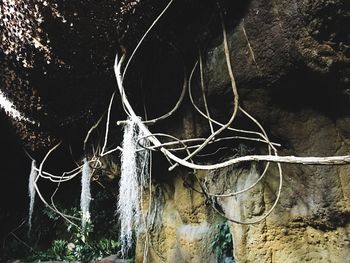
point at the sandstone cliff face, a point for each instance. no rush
(291, 63)
(293, 75)
(310, 222)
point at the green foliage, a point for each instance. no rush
(84, 252)
(53, 238)
(91, 243)
(222, 244)
(78, 247)
(58, 251)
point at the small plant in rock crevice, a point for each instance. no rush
(222, 244)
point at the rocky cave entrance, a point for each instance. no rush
(290, 63)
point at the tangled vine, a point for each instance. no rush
(139, 143)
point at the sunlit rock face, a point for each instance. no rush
(291, 63)
(294, 78)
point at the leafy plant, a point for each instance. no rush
(93, 242)
(222, 244)
(52, 238)
(58, 251)
(78, 247)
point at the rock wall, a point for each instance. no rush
(183, 230)
(292, 70)
(310, 222)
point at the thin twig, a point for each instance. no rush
(143, 37)
(178, 103)
(107, 123)
(267, 213)
(249, 45)
(21, 241)
(91, 130)
(215, 121)
(203, 92)
(40, 171)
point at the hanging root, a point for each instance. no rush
(128, 194)
(134, 175)
(85, 197)
(31, 190)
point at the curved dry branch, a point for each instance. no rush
(143, 37)
(177, 105)
(221, 124)
(250, 222)
(235, 99)
(203, 92)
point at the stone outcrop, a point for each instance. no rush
(292, 70)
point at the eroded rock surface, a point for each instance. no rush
(292, 68)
